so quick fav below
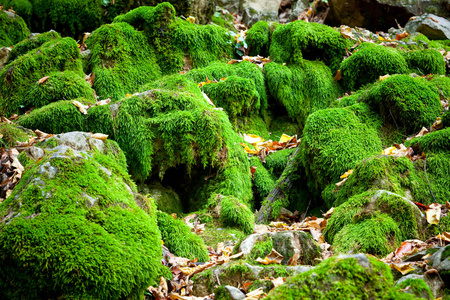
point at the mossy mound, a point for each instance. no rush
(446, 119)
(405, 102)
(12, 29)
(259, 37)
(293, 42)
(263, 179)
(368, 62)
(423, 62)
(31, 43)
(243, 70)
(179, 238)
(121, 60)
(334, 141)
(79, 204)
(58, 86)
(442, 84)
(416, 287)
(235, 214)
(11, 134)
(374, 204)
(17, 77)
(166, 198)
(342, 277)
(301, 89)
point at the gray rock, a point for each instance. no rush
(234, 293)
(81, 141)
(231, 5)
(432, 26)
(48, 170)
(36, 152)
(4, 54)
(256, 10)
(297, 9)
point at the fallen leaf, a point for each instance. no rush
(43, 79)
(338, 75)
(384, 77)
(285, 138)
(273, 258)
(99, 136)
(254, 295)
(445, 236)
(346, 32)
(433, 19)
(252, 138)
(403, 268)
(346, 174)
(402, 35)
(81, 107)
(278, 281)
(433, 213)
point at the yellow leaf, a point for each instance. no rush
(252, 138)
(346, 174)
(191, 19)
(128, 95)
(384, 77)
(278, 224)
(99, 136)
(433, 214)
(285, 138)
(403, 268)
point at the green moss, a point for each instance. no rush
(236, 95)
(341, 278)
(122, 60)
(25, 159)
(334, 141)
(70, 17)
(302, 89)
(11, 134)
(98, 243)
(276, 162)
(417, 287)
(32, 43)
(224, 19)
(177, 236)
(57, 117)
(263, 180)
(425, 62)
(258, 39)
(375, 233)
(446, 119)
(22, 7)
(166, 199)
(13, 29)
(293, 42)
(368, 63)
(266, 285)
(17, 77)
(235, 214)
(442, 84)
(262, 248)
(59, 86)
(214, 233)
(436, 142)
(405, 102)
(253, 125)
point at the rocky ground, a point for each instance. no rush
(276, 149)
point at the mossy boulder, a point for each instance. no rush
(31, 43)
(302, 88)
(293, 42)
(18, 76)
(346, 276)
(79, 204)
(259, 37)
(334, 141)
(405, 102)
(424, 62)
(368, 62)
(179, 238)
(11, 134)
(165, 197)
(12, 29)
(416, 287)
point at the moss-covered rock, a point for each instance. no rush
(405, 102)
(11, 134)
(166, 198)
(12, 29)
(79, 204)
(17, 77)
(334, 141)
(121, 60)
(31, 43)
(301, 89)
(293, 42)
(259, 37)
(446, 119)
(368, 63)
(416, 287)
(425, 62)
(179, 238)
(349, 276)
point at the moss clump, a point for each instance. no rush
(59, 86)
(258, 39)
(417, 287)
(31, 43)
(293, 42)
(405, 102)
(179, 238)
(98, 242)
(243, 70)
(334, 141)
(341, 277)
(425, 62)
(263, 180)
(303, 88)
(11, 134)
(122, 60)
(72, 18)
(17, 77)
(56, 117)
(276, 162)
(261, 248)
(13, 29)
(236, 95)
(368, 63)
(235, 214)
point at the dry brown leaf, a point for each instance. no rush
(99, 136)
(43, 79)
(445, 236)
(402, 35)
(5, 120)
(294, 259)
(433, 213)
(273, 258)
(328, 214)
(278, 281)
(81, 107)
(14, 117)
(403, 268)
(255, 295)
(338, 76)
